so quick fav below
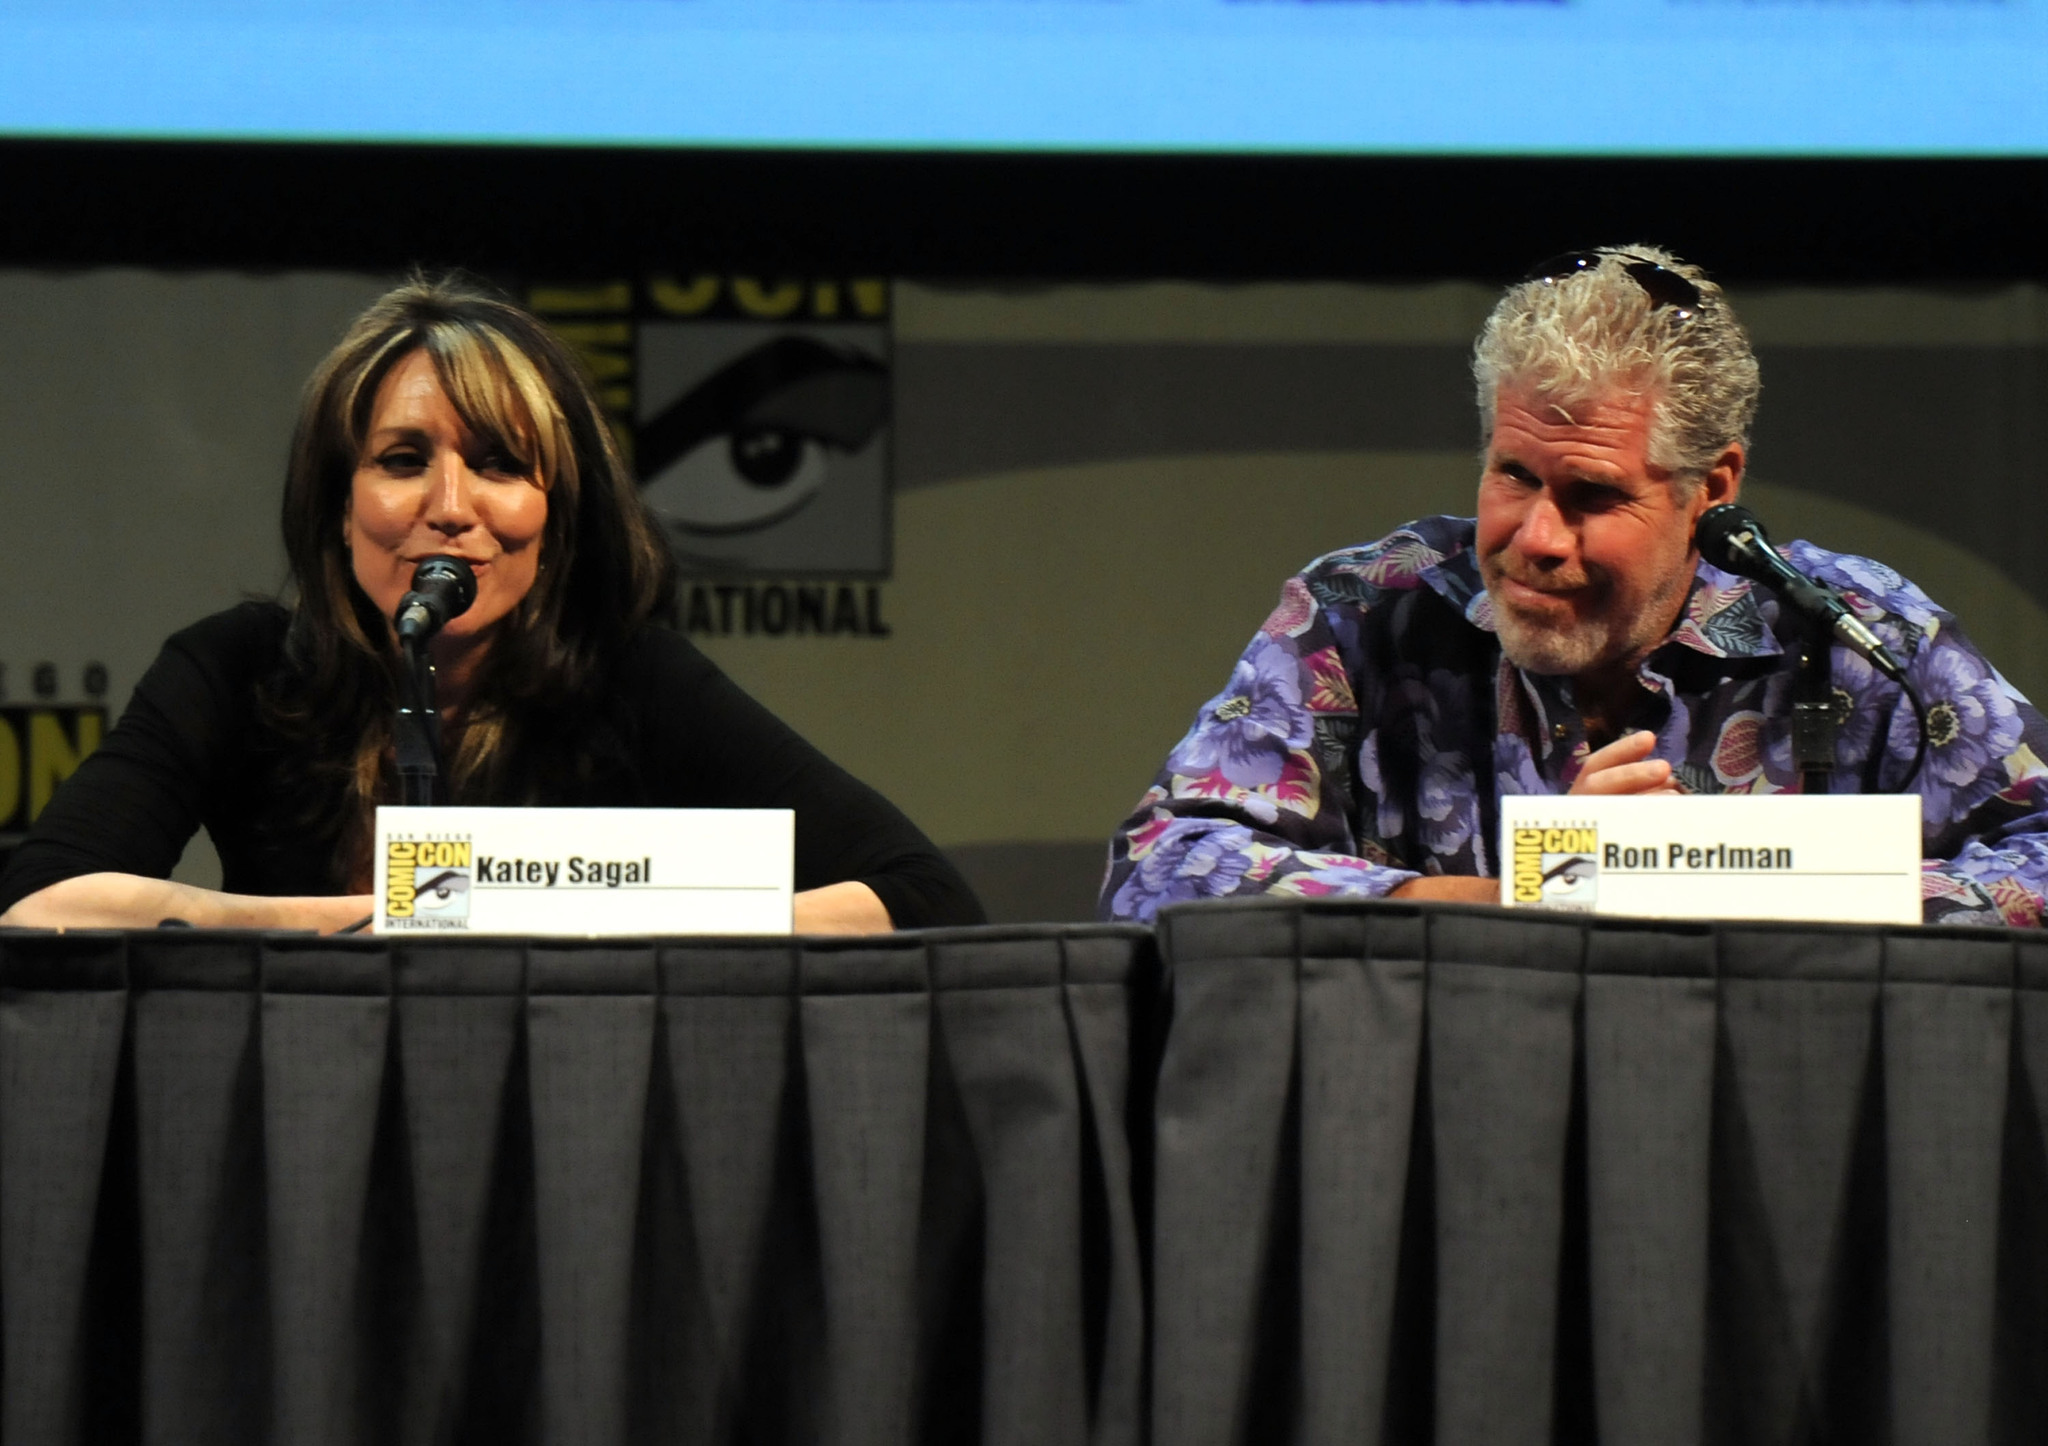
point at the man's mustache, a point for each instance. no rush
(1547, 582)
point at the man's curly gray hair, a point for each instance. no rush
(1596, 332)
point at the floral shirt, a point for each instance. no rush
(1372, 724)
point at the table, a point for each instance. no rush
(1475, 1177)
(1279, 1171)
(271, 1187)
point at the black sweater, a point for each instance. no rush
(192, 750)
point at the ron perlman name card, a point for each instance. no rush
(585, 871)
(1848, 857)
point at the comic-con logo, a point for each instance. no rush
(427, 879)
(752, 437)
(1557, 868)
(756, 413)
(40, 747)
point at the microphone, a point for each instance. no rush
(442, 590)
(1731, 538)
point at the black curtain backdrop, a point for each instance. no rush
(1371, 1172)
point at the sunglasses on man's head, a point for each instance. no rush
(1660, 283)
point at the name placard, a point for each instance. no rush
(585, 870)
(1851, 857)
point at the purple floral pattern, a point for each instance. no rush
(1883, 589)
(1514, 766)
(1248, 730)
(1972, 726)
(1342, 758)
(1324, 875)
(1186, 859)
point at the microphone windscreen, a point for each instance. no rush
(449, 577)
(1730, 537)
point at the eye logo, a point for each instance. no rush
(1557, 868)
(749, 446)
(426, 878)
(1569, 879)
(442, 891)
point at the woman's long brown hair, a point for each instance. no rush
(604, 568)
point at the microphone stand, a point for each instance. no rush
(1814, 720)
(442, 588)
(416, 731)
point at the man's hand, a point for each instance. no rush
(1450, 889)
(1625, 766)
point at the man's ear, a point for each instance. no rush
(1723, 482)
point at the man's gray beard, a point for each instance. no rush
(1570, 652)
(1534, 648)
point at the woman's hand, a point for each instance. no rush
(130, 901)
(1625, 766)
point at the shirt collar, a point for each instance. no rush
(1722, 617)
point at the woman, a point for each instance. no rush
(446, 424)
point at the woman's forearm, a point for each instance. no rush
(848, 908)
(130, 901)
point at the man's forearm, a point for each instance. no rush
(1449, 888)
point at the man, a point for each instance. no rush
(1570, 640)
